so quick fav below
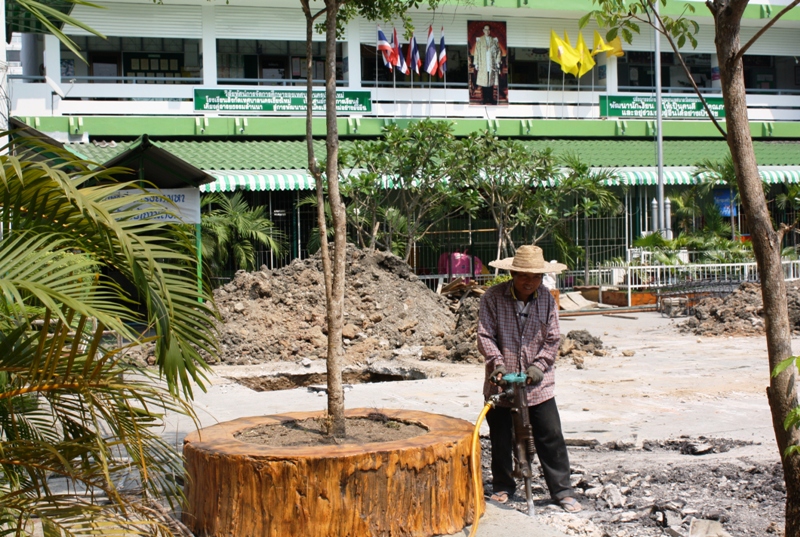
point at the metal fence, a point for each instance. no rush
(672, 279)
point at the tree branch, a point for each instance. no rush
(764, 29)
(686, 70)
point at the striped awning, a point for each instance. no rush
(271, 180)
(258, 180)
(683, 176)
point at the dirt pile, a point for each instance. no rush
(280, 314)
(739, 314)
(578, 344)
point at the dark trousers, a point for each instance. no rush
(549, 442)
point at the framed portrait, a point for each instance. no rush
(487, 63)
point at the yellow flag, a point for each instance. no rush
(585, 61)
(563, 54)
(616, 48)
(570, 67)
(555, 56)
(599, 44)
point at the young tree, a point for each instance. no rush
(412, 173)
(782, 392)
(575, 190)
(365, 185)
(504, 173)
(336, 14)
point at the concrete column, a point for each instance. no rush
(715, 80)
(29, 55)
(351, 56)
(612, 77)
(52, 58)
(209, 45)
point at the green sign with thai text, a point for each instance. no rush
(636, 107)
(263, 100)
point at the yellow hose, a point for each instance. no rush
(476, 466)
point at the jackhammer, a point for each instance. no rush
(514, 393)
(524, 449)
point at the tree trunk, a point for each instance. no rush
(336, 304)
(417, 487)
(312, 160)
(782, 392)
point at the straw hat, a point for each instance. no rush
(528, 259)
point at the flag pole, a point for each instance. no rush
(445, 94)
(578, 98)
(547, 99)
(563, 77)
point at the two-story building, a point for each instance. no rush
(220, 85)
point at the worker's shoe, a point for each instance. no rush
(570, 504)
(501, 497)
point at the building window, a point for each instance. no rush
(133, 60)
(257, 62)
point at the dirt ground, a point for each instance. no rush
(658, 489)
(651, 484)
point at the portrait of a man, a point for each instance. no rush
(488, 63)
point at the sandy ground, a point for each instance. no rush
(674, 384)
(670, 386)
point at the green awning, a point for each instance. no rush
(258, 180)
(683, 176)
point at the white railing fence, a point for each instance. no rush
(671, 279)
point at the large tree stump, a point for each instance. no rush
(421, 486)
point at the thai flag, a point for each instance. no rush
(386, 49)
(431, 58)
(442, 56)
(399, 59)
(414, 62)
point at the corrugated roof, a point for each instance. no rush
(221, 155)
(291, 155)
(633, 153)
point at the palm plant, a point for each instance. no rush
(77, 420)
(235, 229)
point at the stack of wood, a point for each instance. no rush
(459, 289)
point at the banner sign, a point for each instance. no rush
(722, 199)
(671, 107)
(262, 100)
(186, 208)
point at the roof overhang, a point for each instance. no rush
(146, 161)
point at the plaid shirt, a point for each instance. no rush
(504, 341)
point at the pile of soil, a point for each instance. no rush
(741, 313)
(578, 344)
(279, 315)
(271, 315)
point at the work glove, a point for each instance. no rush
(499, 371)
(535, 375)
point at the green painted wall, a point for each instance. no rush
(174, 126)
